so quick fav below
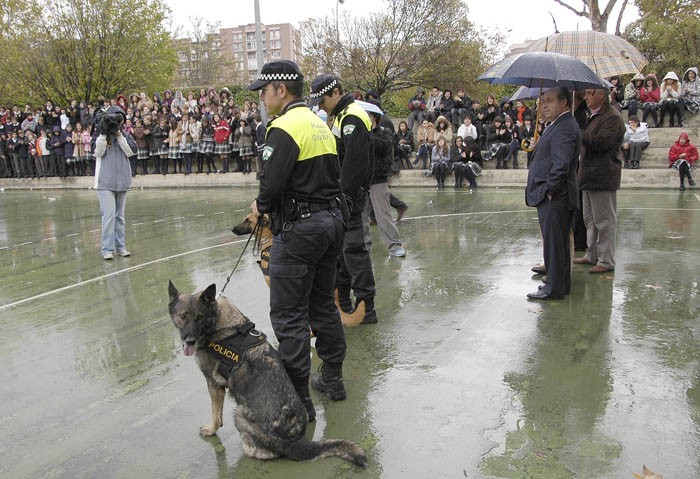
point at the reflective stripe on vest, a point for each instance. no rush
(309, 132)
(352, 109)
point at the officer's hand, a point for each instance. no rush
(254, 207)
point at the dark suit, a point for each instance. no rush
(553, 172)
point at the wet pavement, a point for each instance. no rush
(462, 377)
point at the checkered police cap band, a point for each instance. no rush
(278, 76)
(324, 90)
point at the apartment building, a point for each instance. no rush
(231, 54)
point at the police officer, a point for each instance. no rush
(351, 126)
(300, 188)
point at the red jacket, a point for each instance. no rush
(221, 132)
(650, 96)
(690, 150)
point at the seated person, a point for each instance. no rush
(446, 105)
(670, 100)
(426, 140)
(498, 139)
(467, 129)
(460, 163)
(432, 105)
(404, 145)
(462, 107)
(521, 111)
(527, 132)
(690, 90)
(631, 95)
(514, 143)
(440, 161)
(683, 156)
(617, 92)
(416, 108)
(636, 140)
(649, 97)
(443, 128)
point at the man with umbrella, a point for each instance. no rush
(552, 188)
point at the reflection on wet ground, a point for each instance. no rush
(462, 377)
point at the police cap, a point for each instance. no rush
(321, 85)
(282, 70)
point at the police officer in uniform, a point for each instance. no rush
(300, 188)
(351, 126)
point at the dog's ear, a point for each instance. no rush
(172, 291)
(209, 295)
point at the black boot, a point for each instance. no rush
(344, 300)
(330, 381)
(691, 181)
(370, 313)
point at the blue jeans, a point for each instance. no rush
(112, 205)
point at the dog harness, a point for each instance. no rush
(231, 350)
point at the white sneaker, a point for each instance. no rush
(108, 255)
(397, 250)
(123, 253)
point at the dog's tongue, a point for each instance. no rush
(189, 350)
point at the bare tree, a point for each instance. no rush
(599, 19)
(412, 42)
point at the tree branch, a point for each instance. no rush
(579, 13)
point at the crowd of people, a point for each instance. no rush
(175, 133)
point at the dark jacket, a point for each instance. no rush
(601, 161)
(554, 163)
(382, 143)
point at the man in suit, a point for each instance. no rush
(552, 188)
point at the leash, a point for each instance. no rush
(255, 233)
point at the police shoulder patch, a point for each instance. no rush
(348, 129)
(267, 153)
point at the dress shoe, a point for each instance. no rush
(538, 269)
(582, 260)
(540, 295)
(599, 269)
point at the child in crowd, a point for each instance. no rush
(636, 140)
(69, 150)
(206, 149)
(683, 156)
(649, 97)
(222, 148)
(141, 135)
(245, 145)
(440, 161)
(404, 145)
(426, 141)
(79, 149)
(174, 137)
(670, 99)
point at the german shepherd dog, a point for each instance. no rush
(231, 354)
(247, 226)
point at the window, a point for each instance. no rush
(274, 33)
(275, 54)
(237, 47)
(274, 43)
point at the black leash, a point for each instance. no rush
(255, 233)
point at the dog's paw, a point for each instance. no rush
(208, 430)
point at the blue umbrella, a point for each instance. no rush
(525, 93)
(543, 69)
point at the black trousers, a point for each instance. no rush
(555, 222)
(302, 278)
(354, 264)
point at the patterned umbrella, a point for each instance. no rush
(605, 54)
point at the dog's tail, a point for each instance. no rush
(303, 450)
(354, 318)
